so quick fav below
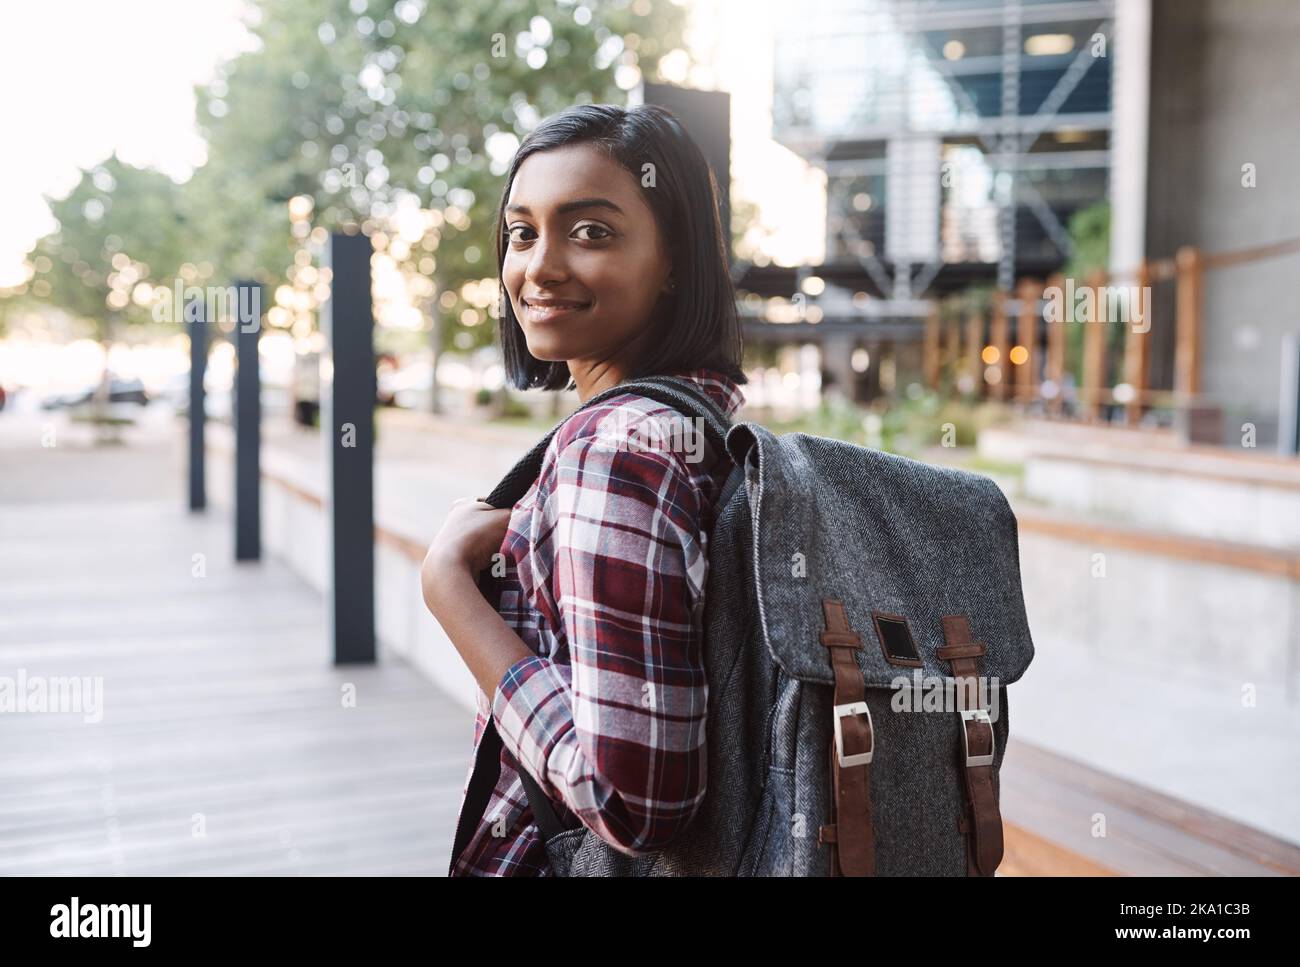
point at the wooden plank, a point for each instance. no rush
(1094, 352)
(975, 346)
(1270, 855)
(1027, 854)
(1130, 843)
(1000, 340)
(1054, 370)
(1187, 349)
(1137, 351)
(930, 348)
(951, 347)
(219, 700)
(1027, 338)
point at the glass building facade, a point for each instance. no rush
(952, 132)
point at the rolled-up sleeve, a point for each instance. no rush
(617, 733)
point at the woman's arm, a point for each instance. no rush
(618, 732)
(466, 544)
(486, 644)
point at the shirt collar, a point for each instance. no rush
(720, 387)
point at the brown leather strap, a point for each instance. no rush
(982, 823)
(850, 828)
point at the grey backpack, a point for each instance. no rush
(863, 617)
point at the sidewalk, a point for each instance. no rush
(225, 746)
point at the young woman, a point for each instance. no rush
(588, 649)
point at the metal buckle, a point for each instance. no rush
(858, 758)
(979, 715)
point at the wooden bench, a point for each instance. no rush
(1049, 804)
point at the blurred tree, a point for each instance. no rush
(120, 234)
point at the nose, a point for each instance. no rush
(546, 262)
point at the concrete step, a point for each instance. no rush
(1243, 497)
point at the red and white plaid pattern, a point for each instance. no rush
(606, 562)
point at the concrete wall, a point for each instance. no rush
(1225, 92)
(1239, 511)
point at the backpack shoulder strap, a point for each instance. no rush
(676, 392)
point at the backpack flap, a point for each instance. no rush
(901, 543)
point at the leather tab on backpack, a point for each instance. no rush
(850, 829)
(984, 830)
(973, 649)
(839, 633)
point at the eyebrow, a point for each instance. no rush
(570, 206)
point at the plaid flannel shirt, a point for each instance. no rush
(605, 569)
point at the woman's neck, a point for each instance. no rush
(594, 378)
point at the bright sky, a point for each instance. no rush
(82, 78)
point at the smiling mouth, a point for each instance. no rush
(545, 313)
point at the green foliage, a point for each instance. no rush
(1089, 230)
(994, 468)
(912, 425)
(115, 212)
(96, 419)
(515, 408)
(906, 426)
(977, 298)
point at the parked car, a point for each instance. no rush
(119, 391)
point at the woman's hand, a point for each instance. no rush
(470, 536)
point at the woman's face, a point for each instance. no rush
(582, 236)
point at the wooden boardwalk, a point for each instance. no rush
(225, 746)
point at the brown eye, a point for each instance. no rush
(509, 232)
(604, 233)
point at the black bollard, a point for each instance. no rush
(347, 426)
(248, 422)
(198, 327)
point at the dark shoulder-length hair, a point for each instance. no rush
(702, 328)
